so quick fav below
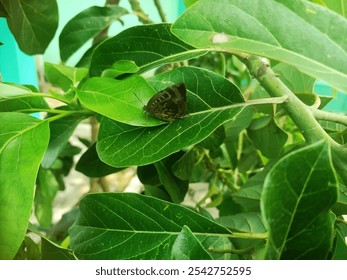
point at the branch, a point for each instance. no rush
(300, 113)
(160, 10)
(135, 6)
(328, 116)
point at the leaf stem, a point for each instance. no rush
(61, 115)
(328, 116)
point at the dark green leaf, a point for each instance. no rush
(23, 141)
(148, 175)
(29, 250)
(298, 194)
(245, 26)
(175, 187)
(61, 131)
(183, 167)
(33, 23)
(47, 188)
(52, 251)
(267, 136)
(91, 21)
(5, 8)
(340, 251)
(251, 222)
(90, 164)
(188, 247)
(340, 208)
(132, 226)
(148, 46)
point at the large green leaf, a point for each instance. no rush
(207, 97)
(16, 97)
(118, 99)
(23, 141)
(132, 226)
(33, 23)
(297, 196)
(86, 25)
(290, 35)
(148, 46)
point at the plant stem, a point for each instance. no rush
(59, 116)
(160, 10)
(135, 6)
(328, 116)
(300, 113)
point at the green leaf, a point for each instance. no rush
(249, 197)
(11, 91)
(51, 250)
(29, 250)
(33, 23)
(339, 6)
(61, 130)
(183, 168)
(90, 164)
(296, 200)
(121, 67)
(206, 96)
(340, 250)
(245, 26)
(251, 222)
(22, 145)
(267, 136)
(117, 99)
(175, 187)
(64, 76)
(16, 98)
(188, 247)
(132, 226)
(47, 188)
(149, 46)
(86, 25)
(5, 8)
(340, 208)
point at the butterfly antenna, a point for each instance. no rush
(138, 98)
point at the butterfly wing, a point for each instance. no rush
(169, 104)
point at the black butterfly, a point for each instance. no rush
(168, 104)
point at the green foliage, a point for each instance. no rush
(272, 162)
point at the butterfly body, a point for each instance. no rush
(168, 104)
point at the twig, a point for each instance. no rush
(160, 10)
(135, 6)
(328, 116)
